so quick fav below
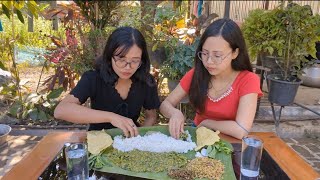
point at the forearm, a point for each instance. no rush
(150, 117)
(76, 113)
(149, 121)
(167, 109)
(230, 128)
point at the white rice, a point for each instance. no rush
(155, 142)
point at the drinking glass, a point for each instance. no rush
(77, 161)
(251, 153)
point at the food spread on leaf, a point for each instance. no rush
(153, 142)
(206, 137)
(155, 152)
(98, 141)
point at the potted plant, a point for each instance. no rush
(289, 33)
(179, 61)
(259, 29)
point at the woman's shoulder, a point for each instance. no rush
(188, 76)
(191, 71)
(91, 75)
(247, 76)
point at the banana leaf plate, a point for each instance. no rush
(225, 158)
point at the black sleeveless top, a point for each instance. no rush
(105, 97)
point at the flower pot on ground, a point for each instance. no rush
(282, 92)
(289, 33)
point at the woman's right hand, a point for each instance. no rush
(126, 125)
(176, 124)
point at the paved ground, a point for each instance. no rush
(308, 149)
(13, 151)
(19, 146)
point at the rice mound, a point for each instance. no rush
(155, 142)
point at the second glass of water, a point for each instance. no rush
(77, 161)
(251, 154)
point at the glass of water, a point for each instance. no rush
(251, 153)
(77, 161)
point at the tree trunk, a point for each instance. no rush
(148, 7)
(55, 18)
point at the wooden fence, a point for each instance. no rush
(238, 10)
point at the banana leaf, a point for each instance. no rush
(225, 158)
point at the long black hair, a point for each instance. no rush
(123, 39)
(231, 33)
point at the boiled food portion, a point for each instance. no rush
(98, 141)
(206, 137)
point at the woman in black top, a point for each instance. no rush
(118, 88)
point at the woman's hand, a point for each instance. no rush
(126, 125)
(176, 124)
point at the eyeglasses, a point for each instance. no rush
(204, 57)
(122, 62)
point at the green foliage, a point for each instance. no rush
(25, 39)
(99, 13)
(289, 33)
(93, 47)
(97, 161)
(262, 30)
(33, 106)
(22, 7)
(218, 147)
(129, 16)
(164, 25)
(180, 60)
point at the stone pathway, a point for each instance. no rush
(19, 146)
(308, 149)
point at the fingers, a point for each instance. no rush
(136, 131)
(127, 126)
(181, 128)
(125, 132)
(174, 128)
(171, 128)
(133, 130)
(176, 124)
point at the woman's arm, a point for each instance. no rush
(167, 108)
(244, 119)
(69, 109)
(151, 117)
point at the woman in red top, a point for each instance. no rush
(221, 86)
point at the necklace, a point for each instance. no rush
(224, 87)
(225, 94)
(216, 90)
